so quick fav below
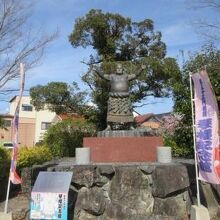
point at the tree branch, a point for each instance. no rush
(144, 104)
(17, 44)
(91, 63)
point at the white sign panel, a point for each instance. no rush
(49, 197)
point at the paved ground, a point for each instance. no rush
(19, 206)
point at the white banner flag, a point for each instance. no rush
(207, 129)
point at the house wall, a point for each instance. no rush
(150, 124)
(23, 114)
(6, 135)
(43, 116)
(30, 131)
(27, 134)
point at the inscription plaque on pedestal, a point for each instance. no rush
(49, 197)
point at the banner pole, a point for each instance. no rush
(7, 196)
(194, 141)
(15, 139)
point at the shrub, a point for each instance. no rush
(63, 137)
(178, 150)
(33, 155)
(176, 135)
(4, 162)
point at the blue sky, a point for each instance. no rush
(61, 61)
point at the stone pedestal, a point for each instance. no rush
(199, 213)
(123, 149)
(164, 154)
(83, 155)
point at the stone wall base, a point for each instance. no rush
(131, 191)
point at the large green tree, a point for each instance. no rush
(59, 97)
(209, 58)
(115, 38)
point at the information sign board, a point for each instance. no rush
(49, 197)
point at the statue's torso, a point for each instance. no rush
(119, 83)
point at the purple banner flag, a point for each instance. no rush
(15, 179)
(207, 129)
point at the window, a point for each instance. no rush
(27, 108)
(8, 145)
(45, 125)
(7, 123)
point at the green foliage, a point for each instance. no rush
(209, 57)
(104, 30)
(178, 151)
(58, 97)
(118, 39)
(2, 123)
(115, 37)
(63, 137)
(33, 155)
(4, 162)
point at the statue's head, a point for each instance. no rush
(119, 69)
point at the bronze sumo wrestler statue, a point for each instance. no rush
(119, 103)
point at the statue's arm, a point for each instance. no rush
(134, 76)
(103, 76)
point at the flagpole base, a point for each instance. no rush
(5, 216)
(199, 213)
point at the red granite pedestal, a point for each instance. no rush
(123, 149)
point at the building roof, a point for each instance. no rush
(161, 115)
(142, 118)
(6, 116)
(69, 116)
(12, 99)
